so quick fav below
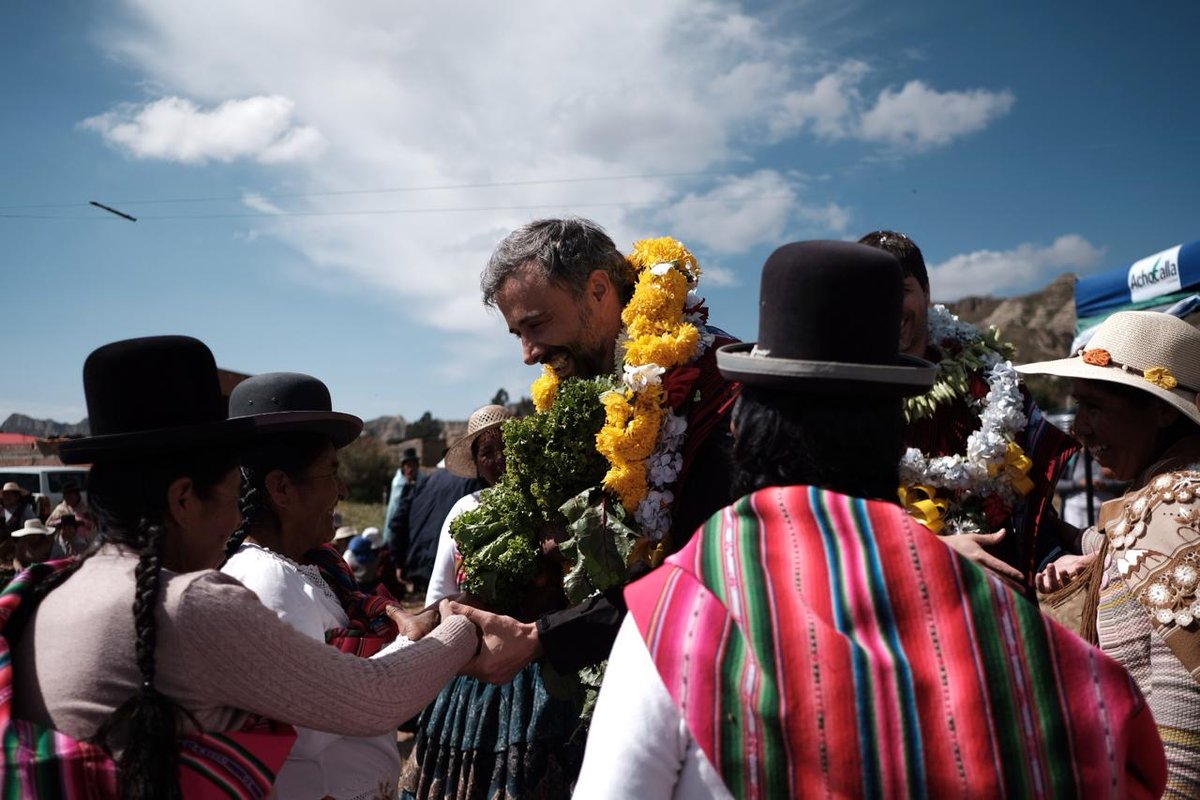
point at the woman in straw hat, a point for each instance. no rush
(1136, 386)
(198, 652)
(476, 740)
(290, 489)
(478, 454)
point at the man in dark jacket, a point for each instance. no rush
(418, 522)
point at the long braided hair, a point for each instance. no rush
(291, 452)
(130, 503)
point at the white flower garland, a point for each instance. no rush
(980, 471)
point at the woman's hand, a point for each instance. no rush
(1061, 572)
(413, 626)
(508, 645)
(970, 546)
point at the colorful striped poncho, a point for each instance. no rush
(822, 645)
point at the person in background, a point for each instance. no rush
(17, 505)
(402, 482)
(1015, 537)
(363, 559)
(812, 639)
(522, 742)
(69, 540)
(33, 544)
(342, 537)
(418, 525)
(74, 504)
(478, 454)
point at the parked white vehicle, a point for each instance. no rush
(44, 481)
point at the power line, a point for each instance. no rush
(438, 210)
(393, 190)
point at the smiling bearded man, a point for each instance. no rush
(561, 285)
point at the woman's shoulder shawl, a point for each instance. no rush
(812, 639)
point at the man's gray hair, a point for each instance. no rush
(564, 250)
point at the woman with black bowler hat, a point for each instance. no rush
(198, 651)
(290, 488)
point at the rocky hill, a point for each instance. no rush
(43, 428)
(387, 429)
(1040, 326)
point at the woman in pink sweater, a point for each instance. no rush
(198, 652)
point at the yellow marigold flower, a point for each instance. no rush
(1161, 377)
(664, 249)
(545, 389)
(667, 350)
(628, 482)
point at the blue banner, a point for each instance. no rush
(1155, 280)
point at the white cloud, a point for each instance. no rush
(259, 203)
(499, 94)
(830, 105)
(738, 213)
(916, 117)
(997, 272)
(920, 117)
(175, 129)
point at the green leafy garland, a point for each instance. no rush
(965, 350)
(550, 459)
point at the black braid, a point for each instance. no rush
(130, 504)
(253, 505)
(290, 452)
(149, 762)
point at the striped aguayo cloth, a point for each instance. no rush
(822, 645)
(39, 762)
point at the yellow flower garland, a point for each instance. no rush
(657, 336)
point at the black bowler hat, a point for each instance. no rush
(291, 402)
(410, 454)
(829, 321)
(152, 396)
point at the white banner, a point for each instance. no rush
(1155, 275)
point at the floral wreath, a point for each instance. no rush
(643, 435)
(975, 490)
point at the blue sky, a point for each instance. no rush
(264, 147)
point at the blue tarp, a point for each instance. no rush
(1156, 281)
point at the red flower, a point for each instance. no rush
(995, 510)
(1097, 356)
(978, 388)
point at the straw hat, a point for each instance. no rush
(829, 322)
(1148, 350)
(32, 527)
(345, 532)
(458, 458)
(13, 486)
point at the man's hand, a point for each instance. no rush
(508, 645)
(414, 626)
(970, 546)
(1062, 571)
